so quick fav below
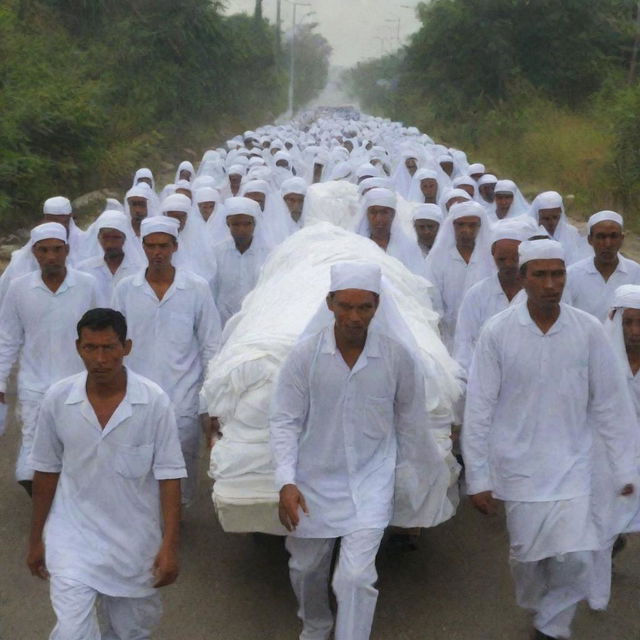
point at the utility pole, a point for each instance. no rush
(292, 64)
(278, 34)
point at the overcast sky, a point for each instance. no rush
(352, 27)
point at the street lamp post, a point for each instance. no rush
(292, 64)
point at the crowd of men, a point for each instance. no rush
(543, 321)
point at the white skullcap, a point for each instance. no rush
(240, 205)
(256, 186)
(160, 224)
(236, 170)
(144, 172)
(356, 275)
(206, 194)
(505, 186)
(48, 230)
(140, 190)
(627, 296)
(540, 250)
(487, 178)
(467, 180)
(476, 167)
(111, 219)
(468, 208)
(183, 184)
(294, 185)
(513, 229)
(428, 211)
(176, 202)
(603, 216)
(367, 170)
(425, 174)
(380, 198)
(57, 206)
(547, 200)
(374, 183)
(456, 193)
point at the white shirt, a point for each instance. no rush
(106, 281)
(335, 431)
(588, 290)
(43, 324)
(482, 301)
(236, 275)
(533, 401)
(104, 527)
(173, 338)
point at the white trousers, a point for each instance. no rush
(189, 432)
(28, 408)
(353, 584)
(600, 592)
(552, 588)
(75, 607)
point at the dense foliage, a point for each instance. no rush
(90, 89)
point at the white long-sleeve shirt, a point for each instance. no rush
(104, 527)
(236, 275)
(533, 401)
(588, 290)
(43, 324)
(106, 281)
(335, 431)
(173, 338)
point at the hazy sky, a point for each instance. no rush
(352, 27)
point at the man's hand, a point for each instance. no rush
(35, 560)
(211, 430)
(484, 502)
(290, 500)
(2, 399)
(627, 490)
(165, 567)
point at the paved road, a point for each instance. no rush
(232, 587)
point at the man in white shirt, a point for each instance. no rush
(107, 485)
(175, 328)
(543, 386)
(592, 281)
(37, 321)
(344, 417)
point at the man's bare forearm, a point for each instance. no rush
(44, 490)
(170, 504)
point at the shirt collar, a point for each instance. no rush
(525, 319)
(136, 392)
(69, 281)
(621, 266)
(179, 279)
(371, 345)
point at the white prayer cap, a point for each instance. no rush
(256, 186)
(476, 167)
(206, 194)
(183, 184)
(367, 170)
(140, 190)
(159, 224)
(547, 200)
(57, 206)
(603, 216)
(176, 202)
(380, 198)
(456, 193)
(48, 230)
(540, 250)
(468, 208)
(240, 205)
(428, 211)
(203, 181)
(366, 276)
(375, 183)
(236, 170)
(487, 178)
(505, 186)
(466, 180)
(111, 219)
(144, 173)
(627, 296)
(425, 174)
(294, 185)
(520, 228)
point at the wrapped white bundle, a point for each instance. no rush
(237, 389)
(334, 201)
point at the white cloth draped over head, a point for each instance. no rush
(48, 230)
(142, 190)
(574, 244)
(113, 219)
(428, 211)
(206, 194)
(518, 207)
(159, 224)
(143, 172)
(449, 194)
(540, 250)
(476, 167)
(401, 177)
(275, 216)
(235, 206)
(415, 192)
(400, 246)
(374, 183)
(57, 206)
(520, 228)
(294, 185)
(185, 165)
(626, 296)
(604, 216)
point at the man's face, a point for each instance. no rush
(283, 164)
(258, 196)
(184, 191)
(159, 248)
(476, 176)
(112, 242)
(544, 282)
(412, 165)
(138, 209)
(503, 200)
(486, 191)
(348, 145)
(549, 219)
(505, 255)
(102, 353)
(447, 167)
(51, 255)
(606, 239)
(234, 182)
(466, 230)
(147, 180)
(353, 310)
(180, 216)
(65, 221)
(426, 230)
(380, 219)
(206, 209)
(429, 188)
(453, 201)
(631, 328)
(468, 189)
(185, 174)
(295, 202)
(241, 226)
